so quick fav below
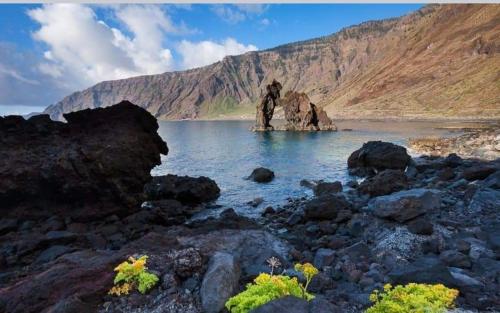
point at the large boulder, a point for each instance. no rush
(261, 175)
(220, 282)
(94, 165)
(185, 189)
(379, 156)
(301, 114)
(250, 247)
(405, 205)
(323, 188)
(485, 199)
(326, 207)
(384, 183)
(478, 172)
(84, 274)
(425, 270)
(324, 257)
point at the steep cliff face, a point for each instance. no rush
(440, 61)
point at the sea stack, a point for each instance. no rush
(300, 113)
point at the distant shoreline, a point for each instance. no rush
(371, 119)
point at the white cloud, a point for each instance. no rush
(51, 69)
(228, 14)
(197, 54)
(22, 83)
(236, 13)
(255, 8)
(80, 44)
(82, 50)
(5, 70)
(85, 50)
(148, 24)
(265, 22)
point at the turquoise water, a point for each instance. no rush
(227, 152)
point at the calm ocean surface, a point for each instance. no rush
(227, 152)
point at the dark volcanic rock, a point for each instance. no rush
(428, 270)
(220, 282)
(289, 304)
(301, 114)
(446, 173)
(84, 274)
(379, 155)
(7, 225)
(265, 109)
(478, 172)
(325, 188)
(326, 207)
(453, 160)
(492, 181)
(94, 165)
(484, 200)
(261, 175)
(384, 183)
(163, 212)
(420, 226)
(185, 189)
(405, 205)
(455, 259)
(187, 261)
(324, 257)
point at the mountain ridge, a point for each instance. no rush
(439, 61)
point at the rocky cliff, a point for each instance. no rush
(441, 61)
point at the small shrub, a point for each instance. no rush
(413, 298)
(268, 287)
(309, 271)
(133, 274)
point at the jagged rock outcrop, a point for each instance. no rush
(265, 109)
(93, 166)
(301, 114)
(398, 68)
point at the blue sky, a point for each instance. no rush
(49, 51)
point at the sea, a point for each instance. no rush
(228, 151)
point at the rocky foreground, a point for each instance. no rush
(77, 200)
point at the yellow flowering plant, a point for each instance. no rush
(413, 298)
(268, 287)
(309, 271)
(133, 274)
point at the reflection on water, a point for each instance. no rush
(227, 152)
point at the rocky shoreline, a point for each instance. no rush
(479, 143)
(78, 199)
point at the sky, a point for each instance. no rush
(48, 51)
